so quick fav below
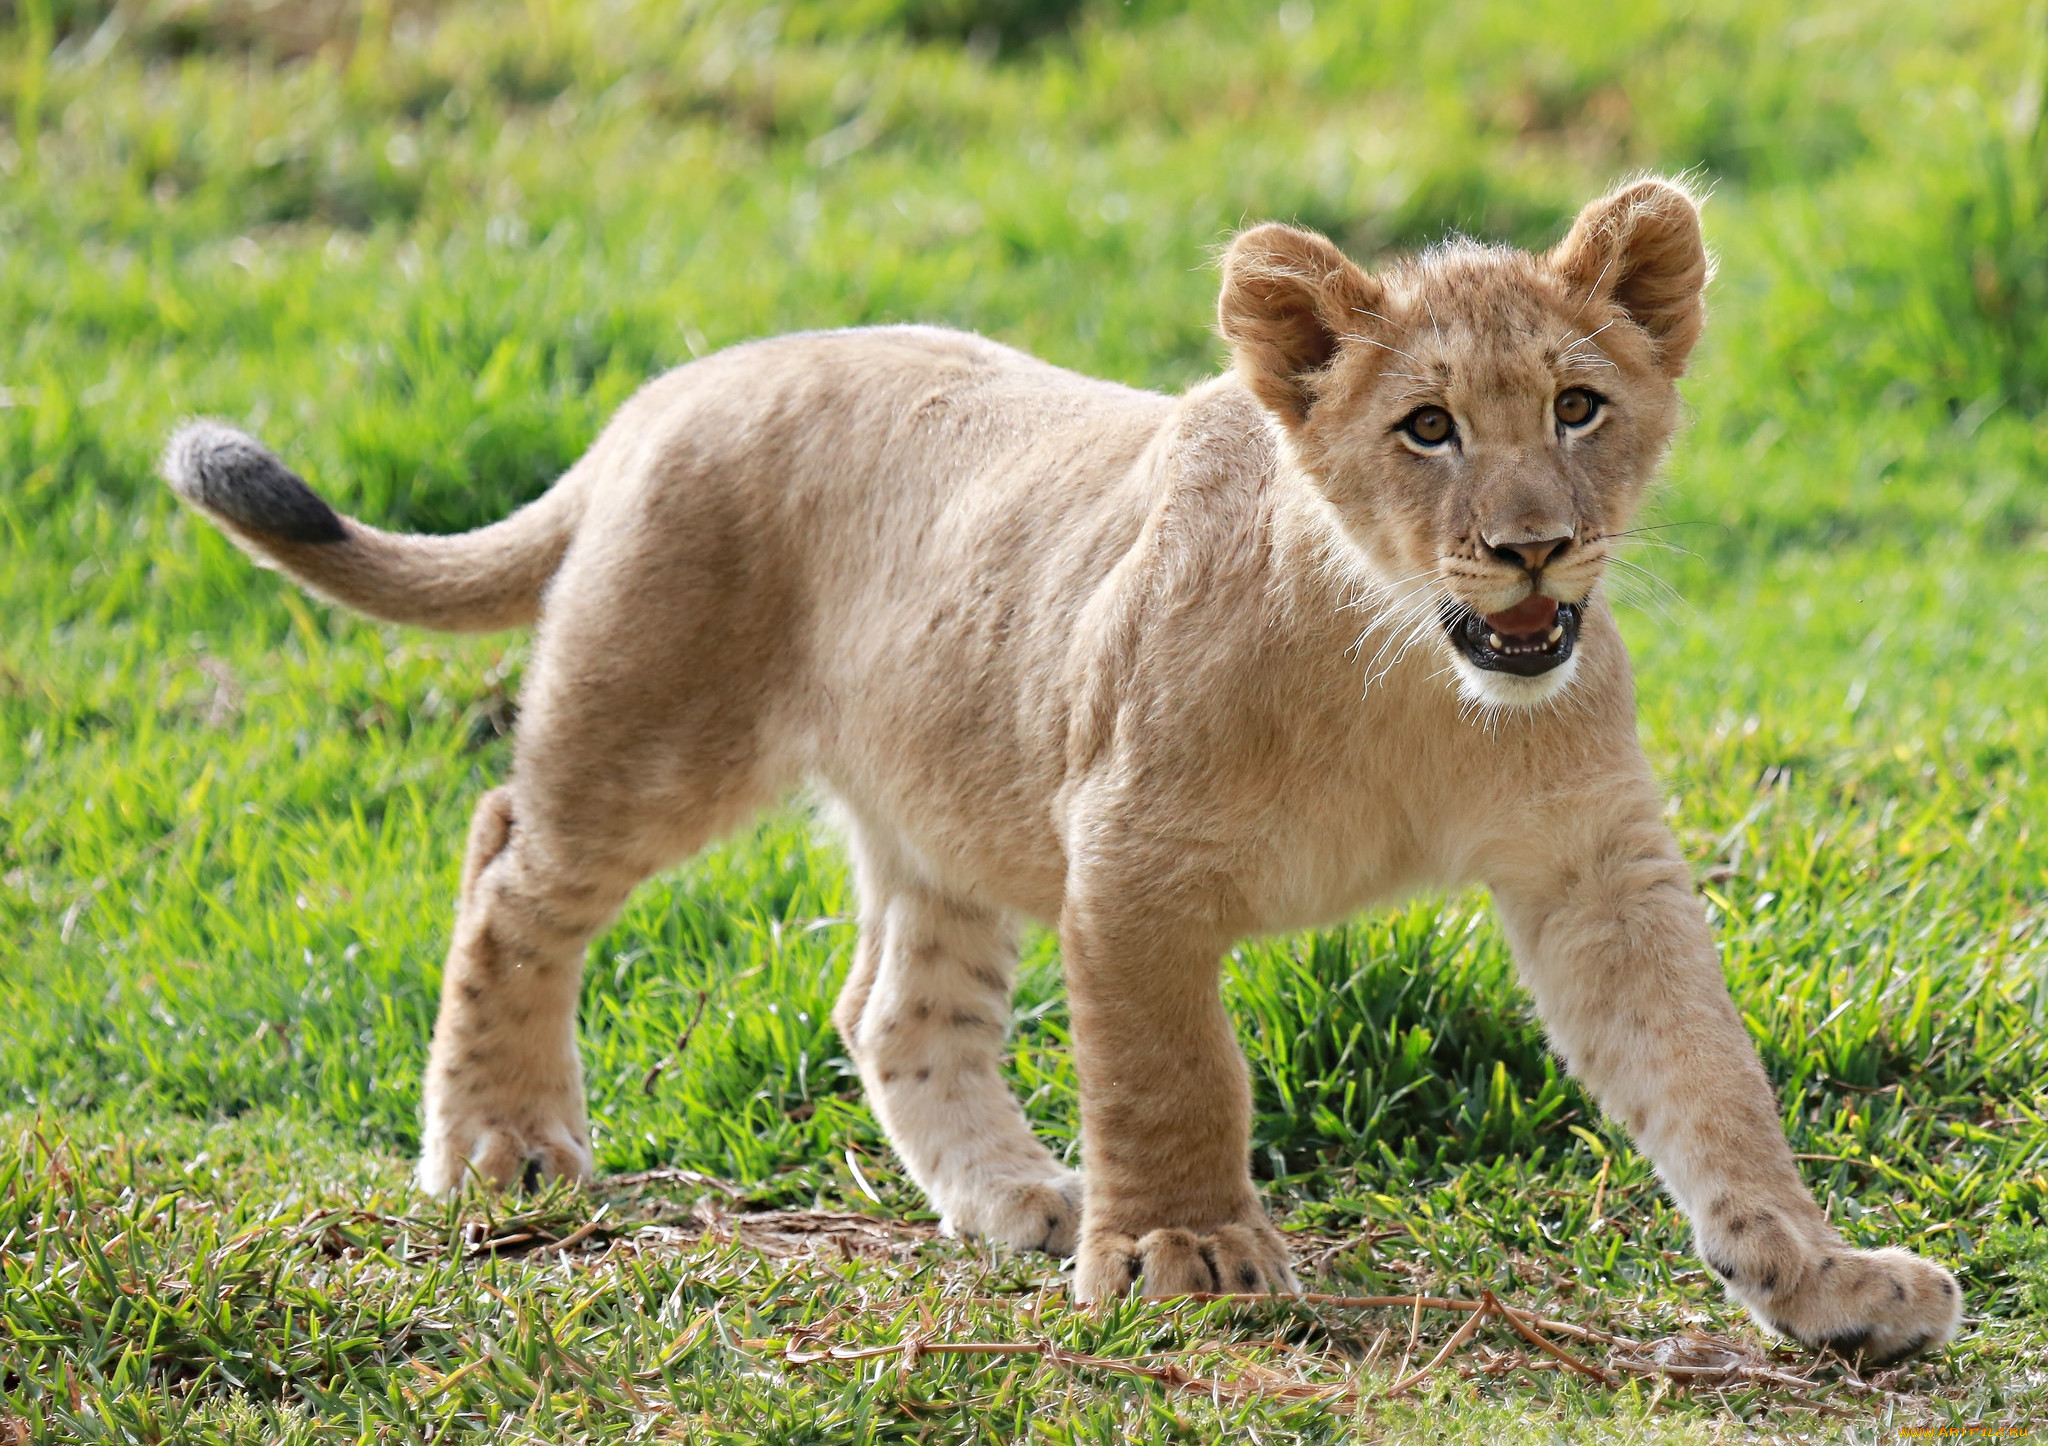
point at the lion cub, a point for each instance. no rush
(1162, 671)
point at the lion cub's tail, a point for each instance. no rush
(471, 582)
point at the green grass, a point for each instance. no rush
(425, 251)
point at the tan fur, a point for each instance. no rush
(1162, 671)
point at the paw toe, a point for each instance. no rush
(1107, 1266)
(503, 1159)
(1176, 1262)
(1050, 1217)
(1024, 1215)
(1239, 1259)
(1879, 1306)
(1259, 1261)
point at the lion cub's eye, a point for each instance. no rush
(1577, 406)
(1431, 426)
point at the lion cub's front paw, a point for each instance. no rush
(502, 1148)
(1240, 1259)
(1883, 1305)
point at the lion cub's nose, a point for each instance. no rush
(1531, 555)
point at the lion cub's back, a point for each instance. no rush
(864, 418)
(891, 533)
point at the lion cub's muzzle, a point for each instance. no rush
(1529, 639)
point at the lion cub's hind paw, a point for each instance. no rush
(1055, 1206)
(502, 1159)
(1229, 1260)
(1027, 1215)
(1879, 1305)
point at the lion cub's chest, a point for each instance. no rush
(1364, 829)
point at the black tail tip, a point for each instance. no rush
(238, 479)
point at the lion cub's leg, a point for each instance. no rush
(551, 858)
(645, 730)
(1165, 1111)
(923, 1014)
(1616, 950)
(504, 1086)
(599, 801)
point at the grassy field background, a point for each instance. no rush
(425, 250)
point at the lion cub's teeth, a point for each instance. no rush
(1493, 641)
(1556, 633)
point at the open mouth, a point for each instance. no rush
(1532, 637)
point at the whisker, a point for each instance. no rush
(1596, 282)
(1393, 636)
(1627, 593)
(1569, 353)
(1615, 559)
(1374, 591)
(1404, 619)
(1645, 537)
(1587, 339)
(1653, 527)
(1374, 341)
(1410, 625)
(1416, 634)
(1640, 587)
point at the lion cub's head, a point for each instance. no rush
(1482, 422)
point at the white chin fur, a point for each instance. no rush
(1506, 690)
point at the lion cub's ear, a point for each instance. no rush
(1640, 248)
(1289, 300)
